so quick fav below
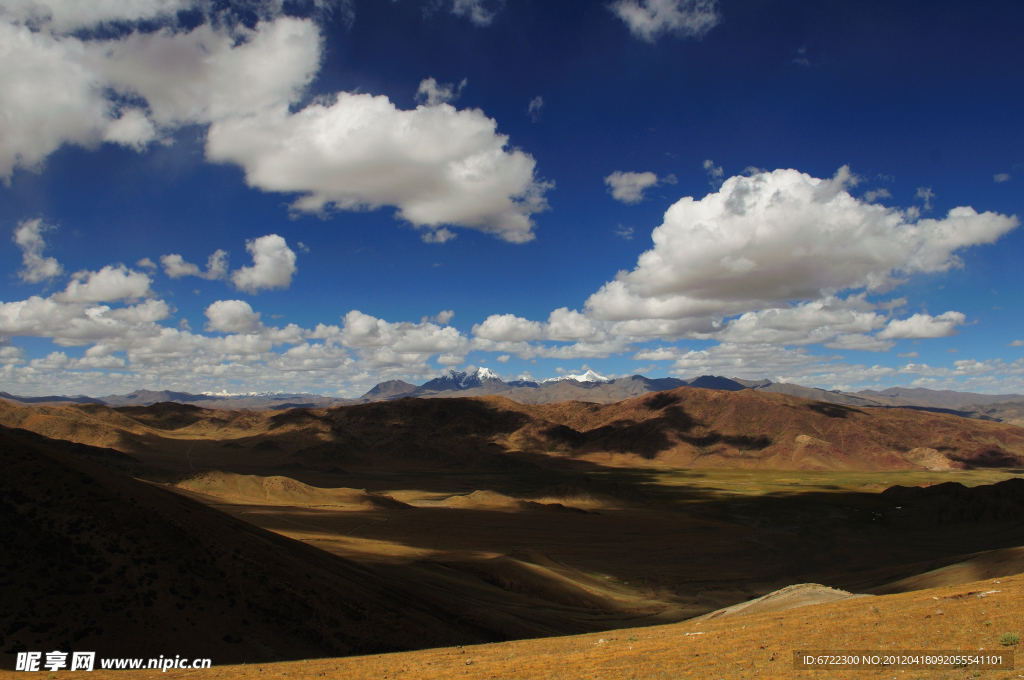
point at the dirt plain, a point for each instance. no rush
(433, 523)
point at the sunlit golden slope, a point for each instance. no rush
(970, 618)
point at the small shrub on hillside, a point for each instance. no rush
(1009, 639)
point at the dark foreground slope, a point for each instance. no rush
(96, 561)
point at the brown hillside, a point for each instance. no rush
(277, 490)
(686, 427)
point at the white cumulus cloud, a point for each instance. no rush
(715, 172)
(35, 268)
(534, 108)
(273, 265)
(873, 195)
(924, 326)
(860, 341)
(648, 20)
(570, 325)
(176, 267)
(508, 328)
(479, 12)
(133, 129)
(816, 321)
(773, 237)
(658, 354)
(210, 74)
(50, 97)
(742, 361)
(11, 355)
(433, 93)
(389, 346)
(232, 316)
(59, 86)
(69, 15)
(629, 187)
(109, 284)
(438, 165)
(443, 317)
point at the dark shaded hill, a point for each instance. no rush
(389, 389)
(1006, 412)
(53, 399)
(555, 391)
(717, 382)
(94, 560)
(952, 502)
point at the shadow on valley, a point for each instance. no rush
(452, 433)
(833, 410)
(125, 568)
(652, 436)
(248, 536)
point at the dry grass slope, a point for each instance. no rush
(970, 617)
(278, 490)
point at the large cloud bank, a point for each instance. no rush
(773, 237)
(769, 263)
(437, 165)
(779, 258)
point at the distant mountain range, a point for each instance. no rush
(589, 387)
(257, 402)
(595, 388)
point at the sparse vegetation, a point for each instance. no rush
(571, 533)
(1009, 639)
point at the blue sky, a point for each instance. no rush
(316, 196)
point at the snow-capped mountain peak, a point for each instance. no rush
(589, 376)
(484, 373)
(463, 380)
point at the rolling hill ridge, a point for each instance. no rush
(686, 427)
